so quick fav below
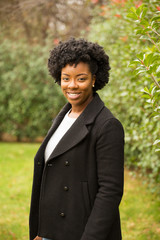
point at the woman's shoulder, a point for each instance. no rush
(106, 119)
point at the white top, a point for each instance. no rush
(58, 134)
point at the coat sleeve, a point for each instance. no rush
(110, 171)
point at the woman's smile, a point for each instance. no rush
(73, 95)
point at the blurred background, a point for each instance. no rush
(129, 31)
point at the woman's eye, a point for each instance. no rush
(65, 79)
(81, 79)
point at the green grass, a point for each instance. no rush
(16, 170)
(140, 209)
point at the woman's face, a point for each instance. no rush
(77, 84)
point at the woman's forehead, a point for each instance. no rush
(80, 67)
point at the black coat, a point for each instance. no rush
(76, 194)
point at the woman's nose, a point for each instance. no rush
(72, 84)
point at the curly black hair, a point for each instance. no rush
(74, 51)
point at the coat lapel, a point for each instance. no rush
(73, 136)
(79, 129)
(40, 153)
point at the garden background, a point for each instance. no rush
(129, 31)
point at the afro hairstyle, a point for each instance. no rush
(75, 51)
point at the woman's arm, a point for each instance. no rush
(110, 170)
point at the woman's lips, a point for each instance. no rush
(73, 95)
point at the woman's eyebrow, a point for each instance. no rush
(76, 75)
(82, 74)
(65, 74)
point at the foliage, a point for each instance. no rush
(148, 60)
(140, 216)
(44, 21)
(113, 30)
(28, 98)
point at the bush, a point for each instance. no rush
(113, 30)
(28, 98)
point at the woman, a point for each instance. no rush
(78, 169)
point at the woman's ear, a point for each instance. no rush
(93, 80)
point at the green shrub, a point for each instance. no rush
(29, 100)
(113, 29)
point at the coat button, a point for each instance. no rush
(49, 165)
(66, 163)
(39, 163)
(66, 188)
(62, 214)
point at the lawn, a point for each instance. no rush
(139, 208)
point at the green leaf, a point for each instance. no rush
(154, 39)
(141, 71)
(148, 29)
(158, 75)
(140, 55)
(145, 37)
(157, 150)
(146, 90)
(146, 96)
(148, 58)
(145, 23)
(157, 94)
(157, 141)
(153, 90)
(132, 16)
(155, 24)
(133, 9)
(157, 18)
(151, 60)
(154, 106)
(140, 68)
(139, 10)
(154, 114)
(133, 62)
(158, 69)
(139, 31)
(150, 101)
(155, 58)
(143, 13)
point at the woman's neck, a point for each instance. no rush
(74, 114)
(77, 110)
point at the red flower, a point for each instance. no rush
(118, 15)
(158, 8)
(94, 1)
(138, 4)
(103, 7)
(56, 41)
(102, 13)
(87, 28)
(119, 1)
(124, 38)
